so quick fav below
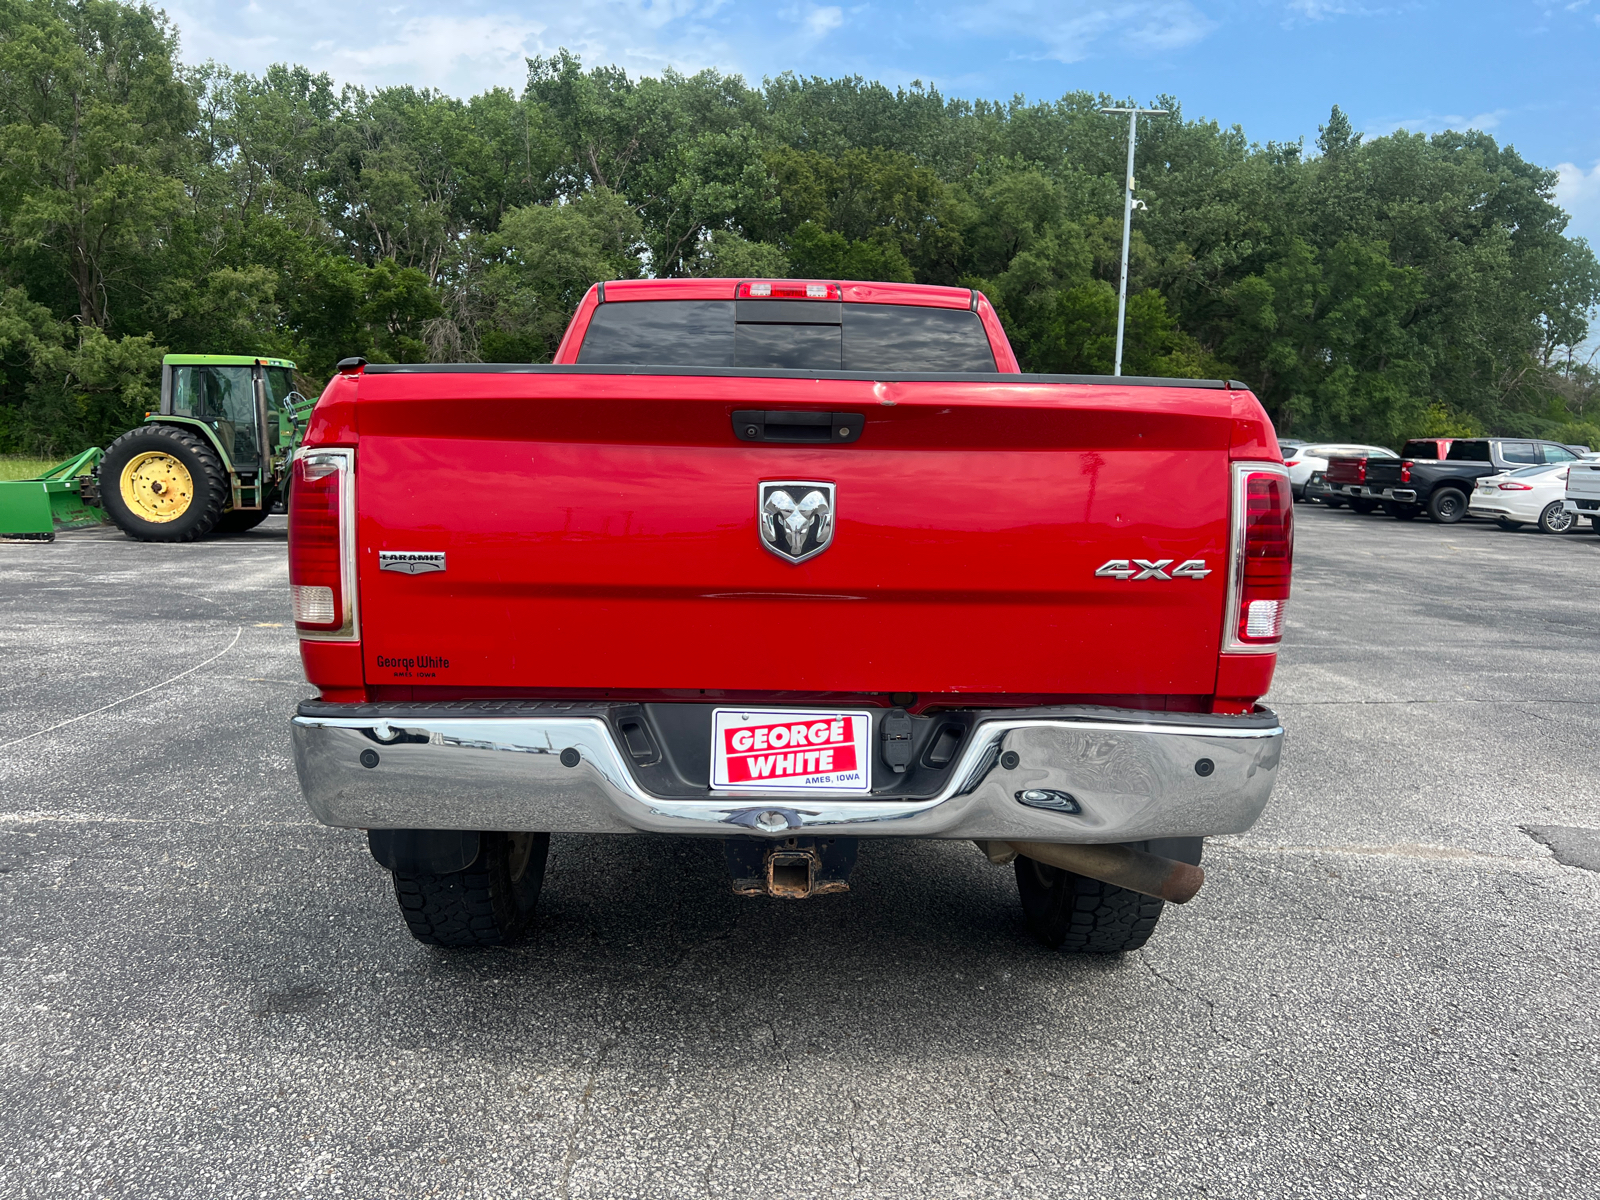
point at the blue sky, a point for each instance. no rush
(1522, 69)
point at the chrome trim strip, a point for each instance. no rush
(1133, 781)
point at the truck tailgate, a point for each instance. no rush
(1583, 481)
(602, 529)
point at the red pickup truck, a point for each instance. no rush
(794, 565)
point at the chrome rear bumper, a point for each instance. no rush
(1133, 775)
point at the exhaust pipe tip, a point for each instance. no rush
(1122, 866)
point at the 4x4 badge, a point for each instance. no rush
(1147, 568)
(796, 517)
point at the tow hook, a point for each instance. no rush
(794, 868)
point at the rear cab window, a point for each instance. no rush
(1427, 448)
(1473, 452)
(802, 335)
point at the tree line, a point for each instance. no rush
(1367, 287)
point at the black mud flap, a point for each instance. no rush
(424, 851)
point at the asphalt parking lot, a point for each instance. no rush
(1387, 988)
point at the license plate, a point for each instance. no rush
(804, 750)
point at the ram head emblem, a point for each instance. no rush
(796, 529)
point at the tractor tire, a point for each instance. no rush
(1364, 507)
(1555, 519)
(491, 903)
(1402, 512)
(241, 520)
(1447, 505)
(162, 483)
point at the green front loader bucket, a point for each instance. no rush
(35, 509)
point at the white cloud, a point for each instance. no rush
(468, 45)
(1069, 32)
(1578, 191)
(820, 21)
(462, 49)
(1437, 123)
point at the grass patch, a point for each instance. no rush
(15, 466)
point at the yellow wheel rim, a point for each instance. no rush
(157, 487)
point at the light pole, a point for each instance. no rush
(1127, 217)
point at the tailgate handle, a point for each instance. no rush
(806, 428)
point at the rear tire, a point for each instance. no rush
(1555, 519)
(1364, 507)
(162, 483)
(1508, 526)
(1402, 512)
(1446, 506)
(1073, 913)
(1332, 503)
(491, 903)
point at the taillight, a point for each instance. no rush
(322, 544)
(1515, 487)
(1361, 471)
(1263, 553)
(788, 289)
(1405, 471)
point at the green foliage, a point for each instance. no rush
(1373, 288)
(1081, 337)
(1439, 421)
(72, 379)
(537, 268)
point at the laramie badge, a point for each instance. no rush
(411, 562)
(796, 517)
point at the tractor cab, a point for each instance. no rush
(246, 407)
(215, 457)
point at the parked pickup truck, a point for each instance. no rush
(1440, 487)
(795, 566)
(1346, 477)
(1583, 491)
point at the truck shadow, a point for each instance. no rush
(641, 936)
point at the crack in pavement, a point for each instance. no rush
(1211, 1005)
(237, 634)
(582, 1117)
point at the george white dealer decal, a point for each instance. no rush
(411, 562)
(1145, 568)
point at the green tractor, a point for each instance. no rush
(214, 459)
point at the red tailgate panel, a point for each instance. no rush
(601, 532)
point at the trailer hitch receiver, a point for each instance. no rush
(794, 868)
